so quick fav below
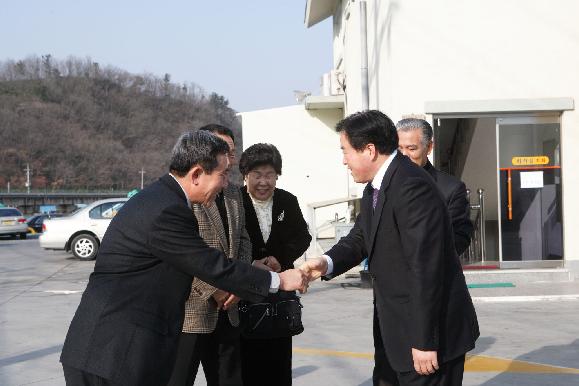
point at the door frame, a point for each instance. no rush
(529, 117)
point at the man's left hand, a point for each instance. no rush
(425, 362)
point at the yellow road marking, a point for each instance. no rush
(331, 353)
(473, 364)
(483, 363)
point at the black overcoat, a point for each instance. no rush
(289, 237)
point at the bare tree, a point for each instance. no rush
(82, 125)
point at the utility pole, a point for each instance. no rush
(142, 177)
(27, 178)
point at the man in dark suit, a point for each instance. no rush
(424, 319)
(415, 142)
(126, 328)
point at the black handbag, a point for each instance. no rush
(278, 316)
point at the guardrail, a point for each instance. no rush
(30, 203)
(353, 210)
(476, 251)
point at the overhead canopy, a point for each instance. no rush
(498, 106)
(324, 102)
(318, 10)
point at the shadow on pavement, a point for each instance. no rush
(483, 344)
(561, 355)
(330, 286)
(303, 370)
(30, 355)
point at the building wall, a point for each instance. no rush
(447, 50)
(441, 50)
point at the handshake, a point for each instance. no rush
(299, 278)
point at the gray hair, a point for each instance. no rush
(410, 124)
(196, 148)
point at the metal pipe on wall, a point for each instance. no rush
(364, 55)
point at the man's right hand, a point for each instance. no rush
(292, 280)
(220, 298)
(314, 268)
(231, 301)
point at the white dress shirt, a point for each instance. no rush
(263, 210)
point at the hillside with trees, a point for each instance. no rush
(81, 126)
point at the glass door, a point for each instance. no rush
(529, 182)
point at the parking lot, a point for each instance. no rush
(521, 343)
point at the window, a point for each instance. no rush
(10, 212)
(106, 211)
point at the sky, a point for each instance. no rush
(255, 53)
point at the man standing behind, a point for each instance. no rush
(424, 319)
(127, 325)
(415, 142)
(210, 335)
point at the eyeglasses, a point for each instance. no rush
(266, 177)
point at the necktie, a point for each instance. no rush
(375, 198)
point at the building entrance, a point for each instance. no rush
(530, 189)
(511, 165)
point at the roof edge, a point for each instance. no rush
(318, 10)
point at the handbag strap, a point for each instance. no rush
(265, 313)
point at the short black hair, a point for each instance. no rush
(196, 148)
(219, 129)
(370, 126)
(258, 155)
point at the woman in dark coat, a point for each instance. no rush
(279, 234)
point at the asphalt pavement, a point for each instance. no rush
(526, 339)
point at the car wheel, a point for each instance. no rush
(22, 236)
(84, 247)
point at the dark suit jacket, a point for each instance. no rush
(420, 292)
(454, 193)
(130, 316)
(289, 237)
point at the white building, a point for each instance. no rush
(497, 79)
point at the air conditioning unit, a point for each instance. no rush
(326, 87)
(332, 83)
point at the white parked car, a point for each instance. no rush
(81, 232)
(12, 223)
